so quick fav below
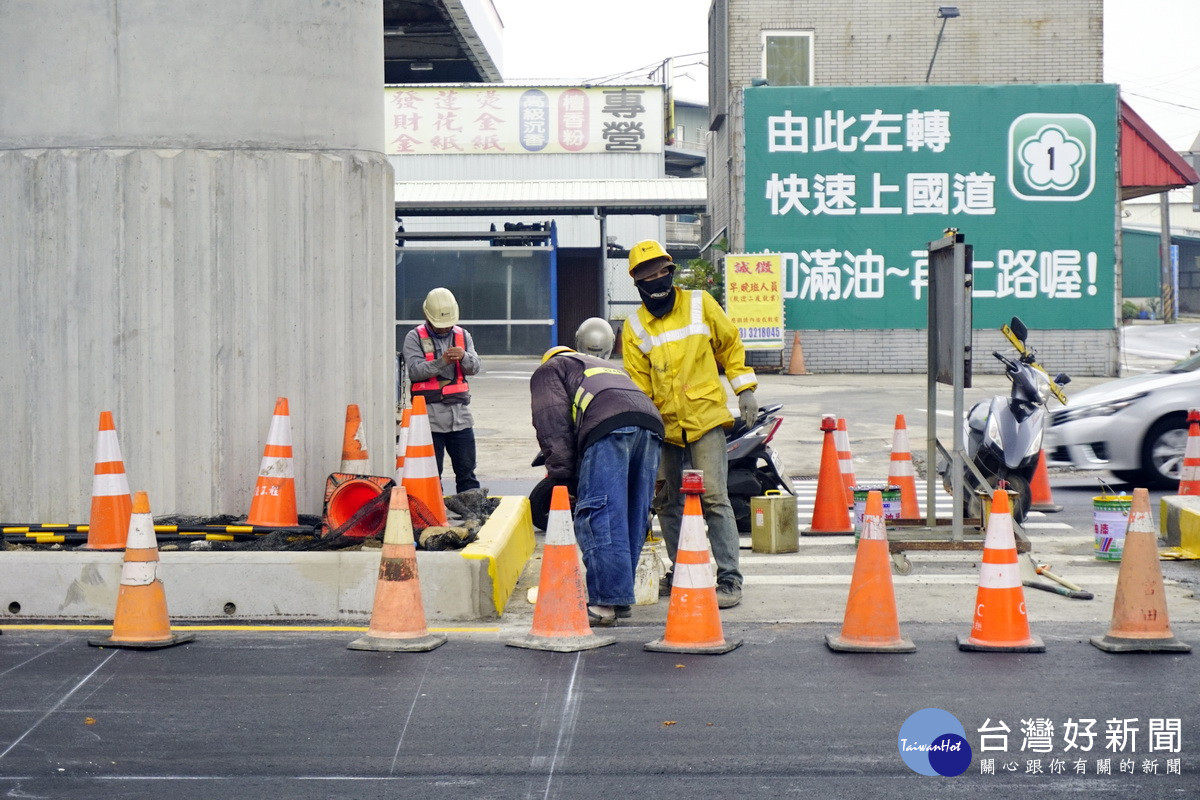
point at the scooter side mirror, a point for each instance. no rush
(1018, 328)
(1062, 379)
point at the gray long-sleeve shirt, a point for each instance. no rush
(443, 417)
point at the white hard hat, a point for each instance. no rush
(441, 309)
(595, 338)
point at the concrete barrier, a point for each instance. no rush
(334, 586)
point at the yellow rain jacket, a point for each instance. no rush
(674, 360)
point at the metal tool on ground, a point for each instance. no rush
(1031, 571)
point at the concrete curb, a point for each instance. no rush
(472, 584)
(1179, 522)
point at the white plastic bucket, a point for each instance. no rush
(1110, 518)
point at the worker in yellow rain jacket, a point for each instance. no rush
(671, 347)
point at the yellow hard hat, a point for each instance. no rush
(440, 308)
(645, 258)
(553, 351)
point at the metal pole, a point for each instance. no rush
(936, 45)
(1166, 290)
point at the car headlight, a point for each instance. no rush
(1105, 409)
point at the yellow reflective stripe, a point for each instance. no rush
(580, 403)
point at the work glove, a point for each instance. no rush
(748, 406)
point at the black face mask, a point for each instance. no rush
(658, 294)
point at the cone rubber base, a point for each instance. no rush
(418, 644)
(811, 532)
(561, 644)
(158, 644)
(837, 643)
(659, 646)
(1049, 507)
(1119, 644)
(1037, 646)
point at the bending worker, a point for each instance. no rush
(439, 355)
(672, 346)
(601, 437)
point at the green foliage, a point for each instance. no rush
(700, 273)
(1129, 310)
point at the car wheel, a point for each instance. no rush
(1162, 452)
(1130, 476)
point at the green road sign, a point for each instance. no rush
(850, 184)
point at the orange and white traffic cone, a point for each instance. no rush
(1189, 473)
(402, 444)
(1041, 498)
(841, 437)
(693, 617)
(398, 616)
(355, 460)
(274, 502)
(108, 524)
(421, 479)
(1001, 622)
(560, 617)
(901, 472)
(140, 621)
(871, 624)
(1139, 618)
(831, 514)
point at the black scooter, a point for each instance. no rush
(754, 468)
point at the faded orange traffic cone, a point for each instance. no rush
(398, 616)
(421, 479)
(871, 624)
(1189, 473)
(1139, 618)
(140, 621)
(1001, 622)
(1042, 499)
(796, 364)
(355, 460)
(560, 618)
(901, 472)
(841, 437)
(693, 617)
(402, 444)
(274, 502)
(831, 514)
(108, 524)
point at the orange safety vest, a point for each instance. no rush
(437, 389)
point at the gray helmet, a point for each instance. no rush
(594, 338)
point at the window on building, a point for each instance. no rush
(788, 58)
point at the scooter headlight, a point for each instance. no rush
(992, 434)
(1034, 446)
(1042, 388)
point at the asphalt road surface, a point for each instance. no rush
(245, 714)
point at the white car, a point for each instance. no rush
(1135, 427)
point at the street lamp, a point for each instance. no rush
(944, 13)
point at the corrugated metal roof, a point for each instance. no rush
(620, 196)
(1148, 164)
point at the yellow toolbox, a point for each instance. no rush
(773, 526)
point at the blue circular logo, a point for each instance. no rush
(934, 742)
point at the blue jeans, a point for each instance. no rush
(461, 447)
(612, 510)
(708, 454)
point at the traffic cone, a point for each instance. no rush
(355, 460)
(1189, 473)
(1139, 618)
(1042, 500)
(1001, 623)
(421, 479)
(796, 364)
(401, 444)
(398, 616)
(901, 472)
(560, 618)
(693, 617)
(108, 524)
(274, 503)
(140, 621)
(831, 515)
(841, 438)
(871, 624)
